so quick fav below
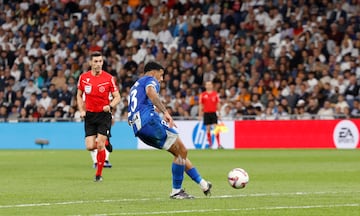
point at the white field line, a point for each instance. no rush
(152, 199)
(231, 210)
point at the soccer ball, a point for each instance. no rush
(238, 178)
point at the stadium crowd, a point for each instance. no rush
(280, 59)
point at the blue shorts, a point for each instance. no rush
(158, 134)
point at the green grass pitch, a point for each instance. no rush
(282, 182)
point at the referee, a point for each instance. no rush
(209, 104)
(94, 87)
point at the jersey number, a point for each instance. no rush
(133, 99)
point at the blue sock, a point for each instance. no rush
(177, 175)
(194, 175)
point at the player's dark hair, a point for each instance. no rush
(95, 54)
(153, 66)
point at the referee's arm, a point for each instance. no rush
(116, 99)
(80, 103)
(201, 107)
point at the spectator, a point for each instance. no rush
(65, 95)
(313, 106)
(3, 113)
(23, 115)
(60, 79)
(42, 115)
(30, 89)
(352, 90)
(326, 112)
(15, 72)
(292, 97)
(53, 92)
(135, 22)
(9, 95)
(31, 105)
(45, 100)
(300, 111)
(164, 35)
(155, 19)
(341, 104)
(38, 80)
(71, 85)
(355, 111)
(294, 39)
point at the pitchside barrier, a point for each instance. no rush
(342, 134)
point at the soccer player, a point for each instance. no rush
(97, 84)
(159, 133)
(209, 104)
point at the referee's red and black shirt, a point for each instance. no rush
(96, 90)
(209, 100)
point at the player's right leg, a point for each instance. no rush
(93, 155)
(103, 125)
(178, 167)
(208, 135)
(158, 135)
(100, 157)
(179, 148)
(91, 145)
(217, 137)
(208, 121)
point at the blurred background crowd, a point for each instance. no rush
(279, 59)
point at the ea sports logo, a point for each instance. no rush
(346, 135)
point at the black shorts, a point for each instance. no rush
(210, 118)
(97, 123)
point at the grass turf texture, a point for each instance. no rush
(282, 182)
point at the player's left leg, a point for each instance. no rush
(217, 137)
(193, 173)
(109, 149)
(107, 163)
(108, 145)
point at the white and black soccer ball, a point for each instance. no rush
(238, 178)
